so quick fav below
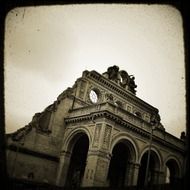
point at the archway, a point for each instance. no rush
(80, 145)
(119, 164)
(154, 165)
(172, 173)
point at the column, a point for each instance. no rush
(63, 168)
(136, 167)
(161, 177)
(132, 174)
(96, 170)
(155, 176)
(128, 174)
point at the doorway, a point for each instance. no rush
(77, 161)
(118, 166)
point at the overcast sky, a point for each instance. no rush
(48, 48)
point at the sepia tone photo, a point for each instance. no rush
(95, 97)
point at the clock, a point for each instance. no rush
(93, 96)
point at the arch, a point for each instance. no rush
(70, 141)
(156, 153)
(118, 165)
(176, 163)
(155, 163)
(127, 140)
(78, 146)
(172, 171)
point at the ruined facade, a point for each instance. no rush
(97, 133)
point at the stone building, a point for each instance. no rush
(97, 133)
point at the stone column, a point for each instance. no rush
(132, 174)
(128, 174)
(96, 170)
(155, 175)
(161, 177)
(136, 167)
(63, 168)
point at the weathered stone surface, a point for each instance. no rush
(118, 127)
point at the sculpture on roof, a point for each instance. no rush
(121, 77)
(124, 78)
(113, 73)
(132, 84)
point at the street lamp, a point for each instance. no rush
(153, 126)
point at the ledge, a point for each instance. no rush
(24, 150)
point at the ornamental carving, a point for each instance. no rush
(107, 135)
(97, 135)
(121, 77)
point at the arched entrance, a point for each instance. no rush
(154, 165)
(172, 173)
(119, 164)
(78, 161)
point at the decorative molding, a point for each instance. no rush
(123, 123)
(107, 136)
(99, 153)
(97, 135)
(120, 91)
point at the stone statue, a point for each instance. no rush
(121, 77)
(113, 73)
(132, 84)
(155, 120)
(183, 136)
(124, 78)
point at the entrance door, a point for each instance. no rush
(172, 171)
(142, 170)
(118, 166)
(78, 162)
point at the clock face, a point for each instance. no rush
(93, 96)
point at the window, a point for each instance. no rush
(93, 96)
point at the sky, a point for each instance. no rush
(48, 47)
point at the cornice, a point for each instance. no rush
(119, 120)
(24, 150)
(93, 75)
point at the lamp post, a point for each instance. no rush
(149, 152)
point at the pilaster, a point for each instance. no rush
(132, 174)
(63, 168)
(96, 169)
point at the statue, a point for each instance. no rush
(155, 120)
(183, 136)
(124, 78)
(132, 84)
(121, 77)
(113, 73)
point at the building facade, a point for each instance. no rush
(97, 134)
